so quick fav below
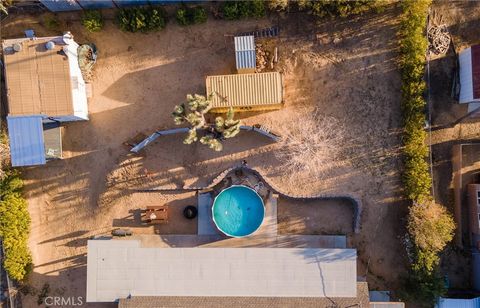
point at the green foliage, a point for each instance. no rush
(430, 226)
(143, 19)
(14, 226)
(191, 15)
(424, 287)
(193, 113)
(233, 10)
(92, 20)
(339, 8)
(51, 22)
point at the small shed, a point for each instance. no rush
(33, 142)
(245, 56)
(469, 62)
(245, 92)
(458, 303)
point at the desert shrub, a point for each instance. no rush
(430, 226)
(4, 4)
(143, 19)
(278, 5)
(92, 20)
(233, 10)
(14, 226)
(51, 22)
(339, 8)
(311, 145)
(189, 16)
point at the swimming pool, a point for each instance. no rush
(238, 211)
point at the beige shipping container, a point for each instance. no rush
(245, 92)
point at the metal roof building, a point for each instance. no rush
(245, 56)
(44, 86)
(458, 303)
(469, 61)
(26, 140)
(121, 268)
(45, 80)
(32, 141)
(246, 92)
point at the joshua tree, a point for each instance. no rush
(193, 112)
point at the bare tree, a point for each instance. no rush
(311, 142)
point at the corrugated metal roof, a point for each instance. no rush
(244, 43)
(61, 5)
(121, 268)
(458, 303)
(245, 90)
(245, 59)
(96, 4)
(476, 71)
(245, 51)
(26, 140)
(37, 79)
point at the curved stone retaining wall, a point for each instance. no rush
(356, 202)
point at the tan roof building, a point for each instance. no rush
(245, 92)
(43, 80)
(45, 87)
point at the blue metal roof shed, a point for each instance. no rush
(27, 146)
(458, 303)
(245, 53)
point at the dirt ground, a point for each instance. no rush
(346, 68)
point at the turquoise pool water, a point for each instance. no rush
(238, 211)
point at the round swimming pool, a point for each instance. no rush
(238, 211)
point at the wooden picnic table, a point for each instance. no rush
(156, 214)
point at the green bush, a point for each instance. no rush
(233, 10)
(14, 226)
(189, 16)
(143, 19)
(339, 8)
(430, 226)
(92, 21)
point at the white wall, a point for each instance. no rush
(79, 92)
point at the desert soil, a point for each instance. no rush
(346, 68)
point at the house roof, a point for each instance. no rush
(121, 268)
(26, 140)
(37, 79)
(245, 90)
(360, 301)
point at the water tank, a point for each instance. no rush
(50, 45)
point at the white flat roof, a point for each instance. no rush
(121, 268)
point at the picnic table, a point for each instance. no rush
(156, 214)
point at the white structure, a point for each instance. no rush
(43, 81)
(469, 62)
(121, 268)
